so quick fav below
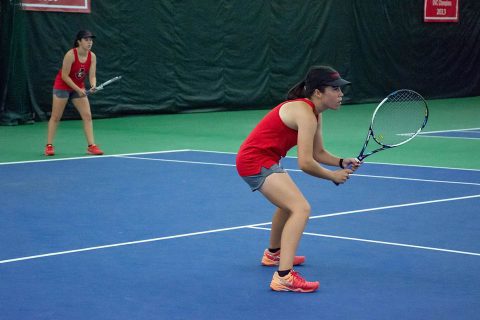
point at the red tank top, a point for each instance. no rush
(78, 72)
(269, 141)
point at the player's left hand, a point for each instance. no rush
(352, 163)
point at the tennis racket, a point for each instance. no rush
(103, 85)
(397, 119)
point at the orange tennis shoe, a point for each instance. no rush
(293, 282)
(49, 150)
(93, 149)
(273, 259)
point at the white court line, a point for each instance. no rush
(382, 242)
(428, 134)
(444, 137)
(90, 157)
(453, 130)
(223, 230)
(209, 151)
(369, 162)
(421, 166)
(298, 170)
(415, 179)
(179, 161)
(395, 206)
(117, 245)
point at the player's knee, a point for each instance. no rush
(87, 117)
(55, 119)
(303, 210)
(307, 210)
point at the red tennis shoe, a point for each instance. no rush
(293, 282)
(273, 259)
(49, 150)
(93, 149)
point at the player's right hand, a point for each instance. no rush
(82, 93)
(341, 176)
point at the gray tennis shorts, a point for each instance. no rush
(256, 181)
(65, 94)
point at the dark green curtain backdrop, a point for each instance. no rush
(188, 55)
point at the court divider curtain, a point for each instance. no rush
(187, 55)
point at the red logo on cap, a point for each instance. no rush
(335, 75)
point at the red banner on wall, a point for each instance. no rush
(81, 6)
(441, 11)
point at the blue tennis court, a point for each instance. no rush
(178, 235)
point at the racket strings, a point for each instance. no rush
(399, 118)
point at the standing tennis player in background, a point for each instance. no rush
(70, 84)
(297, 121)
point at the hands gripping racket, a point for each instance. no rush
(396, 120)
(103, 85)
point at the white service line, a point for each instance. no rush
(395, 206)
(89, 157)
(178, 161)
(210, 151)
(222, 230)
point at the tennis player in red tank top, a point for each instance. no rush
(70, 84)
(297, 121)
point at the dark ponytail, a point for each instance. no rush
(75, 44)
(297, 92)
(317, 78)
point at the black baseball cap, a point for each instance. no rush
(84, 34)
(319, 76)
